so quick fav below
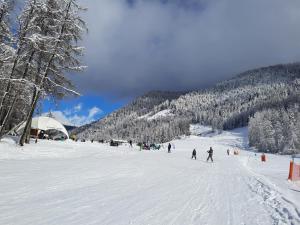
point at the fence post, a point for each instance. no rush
(291, 170)
(263, 158)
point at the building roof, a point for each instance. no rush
(46, 123)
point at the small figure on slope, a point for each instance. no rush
(210, 154)
(194, 154)
(169, 148)
(228, 152)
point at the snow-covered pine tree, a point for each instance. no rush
(61, 51)
(276, 129)
(19, 64)
(6, 52)
(6, 38)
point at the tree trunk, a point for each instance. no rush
(29, 117)
(4, 122)
(28, 132)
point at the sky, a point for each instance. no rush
(82, 110)
(135, 46)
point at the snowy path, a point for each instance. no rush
(84, 183)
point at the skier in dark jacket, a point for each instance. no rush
(194, 154)
(169, 148)
(210, 154)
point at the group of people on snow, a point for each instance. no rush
(210, 154)
(194, 153)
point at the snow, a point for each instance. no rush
(161, 114)
(198, 129)
(144, 116)
(158, 115)
(91, 183)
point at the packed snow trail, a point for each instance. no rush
(84, 183)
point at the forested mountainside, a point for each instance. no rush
(128, 123)
(276, 129)
(230, 104)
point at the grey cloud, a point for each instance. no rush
(135, 46)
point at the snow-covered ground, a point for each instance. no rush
(160, 114)
(91, 183)
(199, 130)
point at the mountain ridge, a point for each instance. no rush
(227, 105)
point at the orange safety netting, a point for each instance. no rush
(294, 173)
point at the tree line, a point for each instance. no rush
(276, 130)
(38, 50)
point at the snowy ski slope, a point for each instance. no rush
(83, 183)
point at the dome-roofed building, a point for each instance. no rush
(43, 126)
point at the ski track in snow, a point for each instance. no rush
(282, 210)
(84, 183)
(281, 213)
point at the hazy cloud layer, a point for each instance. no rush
(138, 45)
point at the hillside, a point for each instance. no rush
(119, 124)
(228, 105)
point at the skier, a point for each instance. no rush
(130, 143)
(194, 154)
(210, 154)
(228, 152)
(169, 148)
